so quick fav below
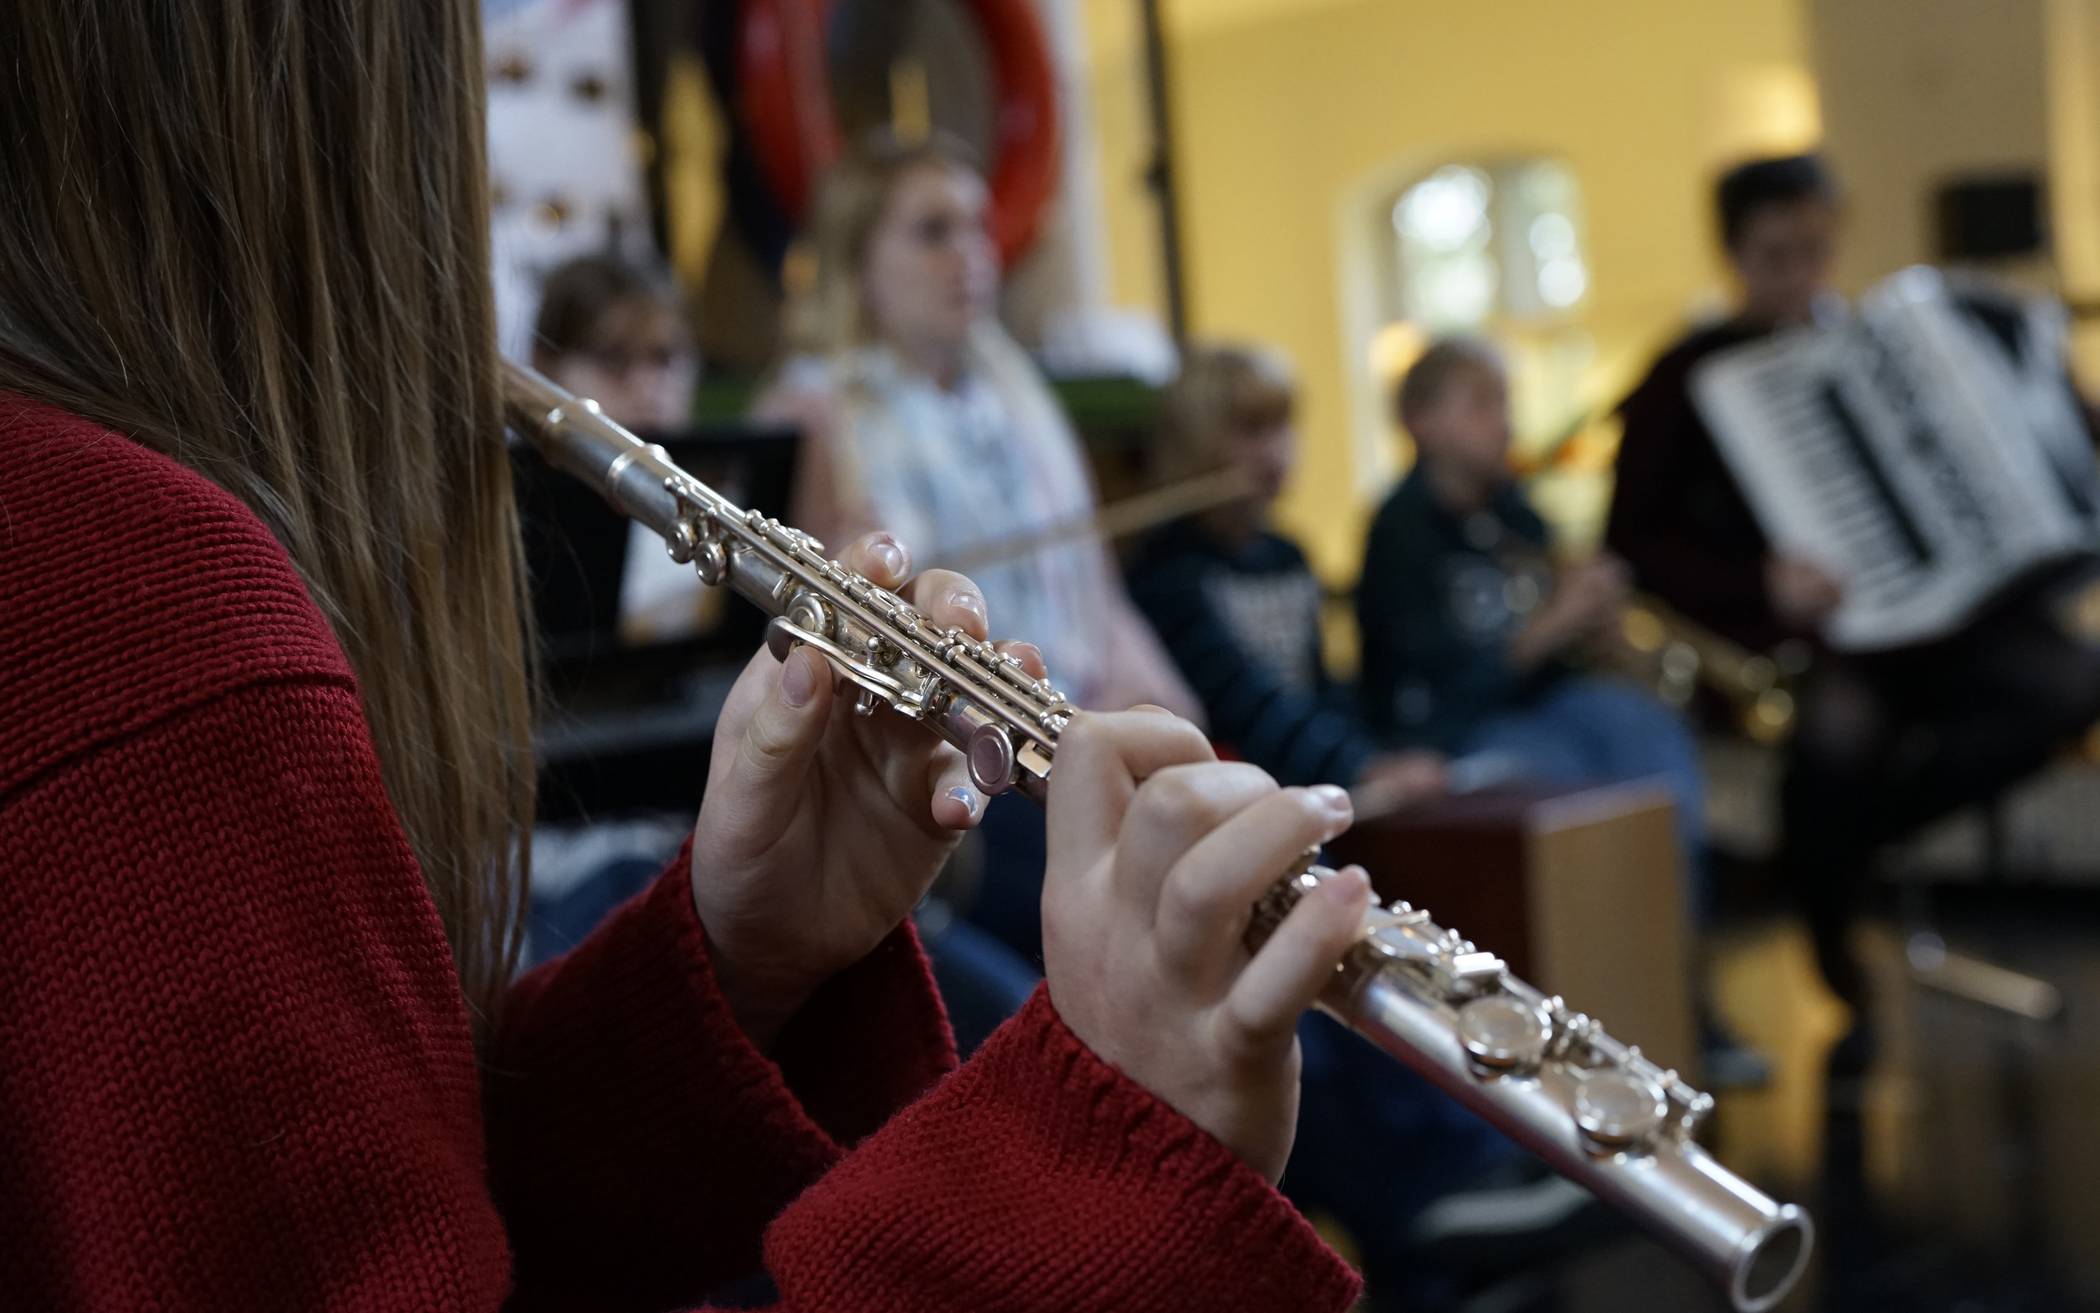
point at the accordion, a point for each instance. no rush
(1929, 451)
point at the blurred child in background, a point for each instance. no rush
(1473, 639)
(924, 417)
(1235, 602)
(1476, 641)
(609, 331)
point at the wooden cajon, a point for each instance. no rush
(1580, 890)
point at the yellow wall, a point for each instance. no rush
(1284, 107)
(1916, 91)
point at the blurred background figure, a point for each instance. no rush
(1236, 602)
(612, 332)
(922, 417)
(926, 419)
(1884, 740)
(1476, 639)
(609, 331)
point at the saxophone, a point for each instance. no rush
(1676, 657)
(1668, 653)
(1545, 1075)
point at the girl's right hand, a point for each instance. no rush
(1157, 855)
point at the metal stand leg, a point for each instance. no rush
(1963, 975)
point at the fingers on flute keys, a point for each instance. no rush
(1203, 916)
(948, 601)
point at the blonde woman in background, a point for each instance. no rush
(926, 419)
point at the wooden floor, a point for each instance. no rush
(1962, 1173)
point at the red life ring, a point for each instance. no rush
(784, 104)
(784, 97)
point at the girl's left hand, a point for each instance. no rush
(821, 829)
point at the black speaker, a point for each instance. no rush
(1990, 217)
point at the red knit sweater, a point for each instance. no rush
(235, 1065)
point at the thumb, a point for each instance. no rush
(784, 732)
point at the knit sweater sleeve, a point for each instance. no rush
(639, 1117)
(622, 1081)
(1038, 1179)
(240, 1078)
(239, 1072)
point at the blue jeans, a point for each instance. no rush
(1587, 730)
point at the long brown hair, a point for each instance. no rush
(829, 316)
(254, 236)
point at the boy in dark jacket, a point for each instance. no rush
(1477, 642)
(1474, 641)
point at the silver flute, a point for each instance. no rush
(1546, 1076)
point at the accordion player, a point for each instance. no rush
(1927, 450)
(1908, 490)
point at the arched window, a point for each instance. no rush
(1492, 246)
(1477, 244)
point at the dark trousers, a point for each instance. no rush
(1886, 742)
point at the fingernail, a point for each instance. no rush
(1354, 885)
(1026, 652)
(968, 601)
(969, 798)
(1333, 797)
(797, 682)
(891, 553)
